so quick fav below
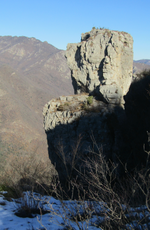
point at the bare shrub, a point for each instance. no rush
(118, 196)
(27, 172)
(110, 200)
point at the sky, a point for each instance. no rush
(61, 22)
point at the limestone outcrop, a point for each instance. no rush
(76, 127)
(101, 64)
(79, 128)
(94, 120)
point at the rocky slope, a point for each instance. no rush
(31, 71)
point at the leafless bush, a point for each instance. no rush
(111, 200)
(117, 194)
(27, 172)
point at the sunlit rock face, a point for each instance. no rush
(102, 64)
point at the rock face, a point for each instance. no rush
(76, 127)
(82, 126)
(79, 128)
(102, 64)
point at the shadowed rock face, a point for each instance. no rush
(74, 131)
(101, 64)
(137, 109)
(77, 131)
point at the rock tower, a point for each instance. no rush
(101, 64)
(89, 121)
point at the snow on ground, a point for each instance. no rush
(60, 215)
(56, 219)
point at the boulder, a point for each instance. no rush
(102, 64)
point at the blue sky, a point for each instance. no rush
(61, 22)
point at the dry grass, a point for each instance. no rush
(26, 172)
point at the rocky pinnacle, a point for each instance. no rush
(102, 64)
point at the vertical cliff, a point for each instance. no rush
(81, 126)
(102, 64)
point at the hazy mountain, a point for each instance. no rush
(141, 65)
(144, 61)
(31, 73)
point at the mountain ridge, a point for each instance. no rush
(144, 61)
(31, 72)
(140, 65)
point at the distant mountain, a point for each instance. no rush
(31, 73)
(141, 65)
(144, 61)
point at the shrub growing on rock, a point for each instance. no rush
(90, 100)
